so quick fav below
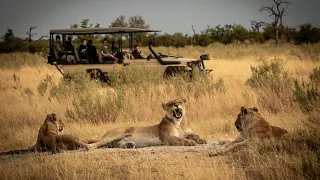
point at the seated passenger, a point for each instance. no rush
(69, 51)
(57, 47)
(136, 53)
(83, 51)
(114, 49)
(92, 53)
(105, 52)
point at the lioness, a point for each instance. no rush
(252, 126)
(170, 131)
(49, 139)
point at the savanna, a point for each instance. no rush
(263, 76)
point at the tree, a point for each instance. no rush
(277, 13)
(8, 36)
(85, 24)
(119, 22)
(255, 25)
(137, 22)
(30, 34)
(308, 34)
(10, 43)
(239, 33)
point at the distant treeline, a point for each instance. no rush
(227, 34)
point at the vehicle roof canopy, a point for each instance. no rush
(100, 30)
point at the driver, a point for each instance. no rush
(136, 53)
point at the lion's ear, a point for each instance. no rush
(255, 109)
(52, 117)
(164, 105)
(48, 117)
(244, 110)
(184, 100)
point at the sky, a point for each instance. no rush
(169, 16)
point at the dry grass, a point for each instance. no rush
(210, 113)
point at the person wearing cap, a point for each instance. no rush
(57, 47)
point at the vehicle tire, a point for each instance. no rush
(172, 71)
(169, 72)
(97, 74)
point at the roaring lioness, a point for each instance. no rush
(252, 126)
(170, 131)
(49, 139)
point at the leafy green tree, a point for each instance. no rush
(269, 32)
(239, 33)
(79, 38)
(8, 36)
(137, 22)
(308, 34)
(10, 43)
(119, 22)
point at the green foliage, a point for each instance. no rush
(270, 75)
(254, 36)
(226, 35)
(308, 94)
(269, 32)
(308, 34)
(11, 43)
(97, 39)
(119, 22)
(273, 85)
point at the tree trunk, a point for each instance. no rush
(277, 36)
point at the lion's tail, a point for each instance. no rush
(108, 140)
(90, 141)
(278, 132)
(18, 151)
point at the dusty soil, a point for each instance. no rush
(211, 147)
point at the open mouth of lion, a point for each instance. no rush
(177, 113)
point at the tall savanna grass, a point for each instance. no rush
(264, 76)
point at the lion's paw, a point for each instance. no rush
(202, 141)
(190, 143)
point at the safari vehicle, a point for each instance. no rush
(165, 64)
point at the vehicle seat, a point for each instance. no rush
(99, 56)
(76, 55)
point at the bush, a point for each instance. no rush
(97, 103)
(18, 60)
(43, 85)
(307, 94)
(272, 84)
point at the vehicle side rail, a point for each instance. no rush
(160, 60)
(56, 65)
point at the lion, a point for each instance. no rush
(252, 126)
(172, 131)
(49, 139)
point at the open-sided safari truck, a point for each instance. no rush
(165, 64)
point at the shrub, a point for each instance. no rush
(18, 60)
(272, 83)
(43, 85)
(307, 94)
